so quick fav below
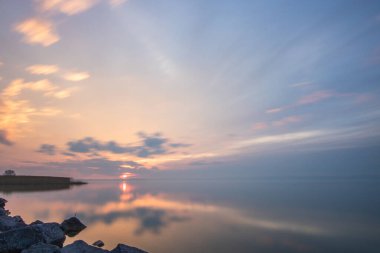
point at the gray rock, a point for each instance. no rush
(42, 248)
(8, 222)
(72, 226)
(81, 247)
(51, 232)
(122, 248)
(98, 243)
(19, 239)
(22, 238)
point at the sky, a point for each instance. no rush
(106, 88)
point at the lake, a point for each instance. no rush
(164, 216)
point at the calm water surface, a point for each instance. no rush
(186, 216)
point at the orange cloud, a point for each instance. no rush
(76, 76)
(68, 7)
(42, 69)
(38, 31)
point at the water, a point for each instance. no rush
(221, 216)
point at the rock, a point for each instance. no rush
(72, 226)
(36, 222)
(98, 243)
(18, 239)
(4, 212)
(51, 232)
(3, 202)
(81, 247)
(22, 238)
(8, 223)
(122, 248)
(42, 248)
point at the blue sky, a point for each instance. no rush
(169, 85)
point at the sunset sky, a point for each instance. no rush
(100, 88)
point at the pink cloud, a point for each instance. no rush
(259, 126)
(287, 120)
(315, 97)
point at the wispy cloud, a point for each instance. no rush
(279, 138)
(47, 149)
(150, 145)
(315, 97)
(42, 69)
(76, 76)
(38, 31)
(275, 110)
(16, 111)
(68, 7)
(115, 3)
(287, 120)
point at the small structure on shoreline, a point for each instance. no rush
(18, 237)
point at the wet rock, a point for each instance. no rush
(98, 243)
(72, 226)
(51, 232)
(19, 239)
(8, 223)
(3, 202)
(42, 248)
(82, 247)
(122, 248)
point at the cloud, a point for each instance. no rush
(301, 85)
(45, 86)
(76, 76)
(151, 145)
(47, 149)
(315, 97)
(259, 126)
(38, 31)
(287, 120)
(280, 138)
(68, 7)
(275, 110)
(116, 3)
(4, 138)
(42, 69)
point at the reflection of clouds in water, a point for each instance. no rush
(149, 219)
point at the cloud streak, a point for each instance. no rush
(42, 69)
(150, 145)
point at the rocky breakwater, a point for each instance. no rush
(38, 237)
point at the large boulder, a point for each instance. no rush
(19, 239)
(72, 226)
(8, 223)
(51, 232)
(82, 247)
(22, 238)
(122, 248)
(42, 248)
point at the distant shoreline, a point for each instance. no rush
(26, 180)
